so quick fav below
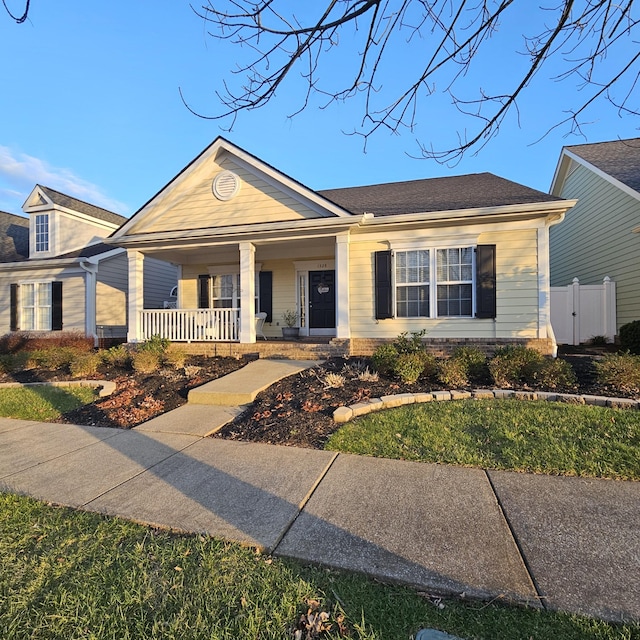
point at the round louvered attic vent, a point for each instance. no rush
(226, 185)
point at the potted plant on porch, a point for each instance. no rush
(290, 331)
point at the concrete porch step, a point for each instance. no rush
(242, 386)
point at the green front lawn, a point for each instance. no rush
(42, 402)
(531, 436)
(68, 574)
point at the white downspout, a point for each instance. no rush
(90, 329)
(545, 330)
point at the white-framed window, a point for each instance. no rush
(455, 281)
(434, 282)
(35, 306)
(225, 291)
(42, 232)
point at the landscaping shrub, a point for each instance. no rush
(155, 344)
(410, 342)
(174, 357)
(118, 356)
(553, 373)
(15, 342)
(453, 373)
(384, 359)
(145, 361)
(409, 366)
(514, 364)
(54, 358)
(334, 380)
(85, 364)
(621, 371)
(630, 337)
(474, 359)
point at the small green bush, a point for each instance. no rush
(621, 371)
(55, 358)
(410, 342)
(553, 373)
(514, 364)
(453, 373)
(384, 359)
(155, 344)
(473, 358)
(174, 357)
(409, 366)
(145, 361)
(85, 364)
(630, 337)
(118, 356)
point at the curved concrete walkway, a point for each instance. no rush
(558, 542)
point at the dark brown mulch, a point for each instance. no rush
(138, 397)
(298, 411)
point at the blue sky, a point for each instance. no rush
(90, 105)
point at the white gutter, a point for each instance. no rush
(513, 210)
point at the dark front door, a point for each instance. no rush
(322, 299)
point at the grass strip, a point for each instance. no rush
(70, 574)
(529, 436)
(43, 402)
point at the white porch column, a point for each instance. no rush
(247, 292)
(136, 295)
(343, 328)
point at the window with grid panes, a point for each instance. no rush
(412, 279)
(454, 276)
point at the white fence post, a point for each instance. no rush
(574, 296)
(609, 303)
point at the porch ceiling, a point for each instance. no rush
(294, 249)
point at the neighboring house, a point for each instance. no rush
(69, 279)
(464, 258)
(14, 237)
(600, 236)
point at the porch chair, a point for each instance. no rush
(260, 318)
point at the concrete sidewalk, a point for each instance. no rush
(564, 543)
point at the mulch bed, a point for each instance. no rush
(297, 411)
(138, 397)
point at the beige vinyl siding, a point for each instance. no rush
(111, 291)
(68, 233)
(159, 278)
(517, 294)
(596, 240)
(73, 296)
(192, 205)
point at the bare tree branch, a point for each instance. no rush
(343, 50)
(18, 19)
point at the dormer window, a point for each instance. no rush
(42, 232)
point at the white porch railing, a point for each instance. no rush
(191, 325)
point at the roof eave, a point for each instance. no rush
(515, 211)
(241, 232)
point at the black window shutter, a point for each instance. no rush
(383, 290)
(266, 293)
(486, 281)
(15, 297)
(56, 306)
(203, 292)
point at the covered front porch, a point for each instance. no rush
(238, 292)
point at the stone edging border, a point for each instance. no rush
(106, 386)
(344, 414)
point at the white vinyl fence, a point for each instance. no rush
(579, 312)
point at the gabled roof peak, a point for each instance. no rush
(75, 204)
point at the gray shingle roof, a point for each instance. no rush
(472, 191)
(14, 237)
(69, 202)
(88, 252)
(619, 158)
